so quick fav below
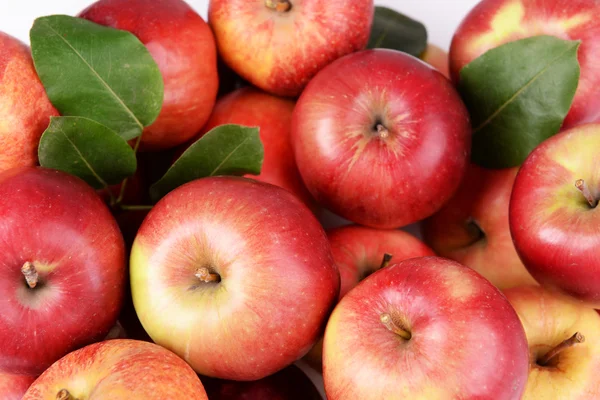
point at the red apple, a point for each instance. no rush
(554, 213)
(233, 275)
(473, 228)
(25, 110)
(13, 387)
(495, 22)
(183, 46)
(382, 149)
(119, 369)
(63, 266)
(273, 115)
(279, 45)
(437, 58)
(426, 328)
(564, 343)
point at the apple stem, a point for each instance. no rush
(388, 322)
(31, 275)
(386, 260)
(279, 5)
(583, 187)
(573, 340)
(382, 131)
(205, 275)
(64, 394)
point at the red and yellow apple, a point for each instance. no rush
(437, 58)
(13, 387)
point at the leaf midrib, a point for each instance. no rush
(229, 155)
(87, 164)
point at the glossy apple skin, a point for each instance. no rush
(25, 110)
(472, 228)
(183, 46)
(437, 58)
(288, 384)
(381, 181)
(555, 231)
(467, 341)
(278, 280)
(548, 320)
(13, 387)
(119, 369)
(58, 223)
(495, 22)
(280, 52)
(273, 115)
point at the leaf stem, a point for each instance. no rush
(136, 207)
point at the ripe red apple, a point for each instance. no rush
(426, 328)
(564, 343)
(495, 22)
(437, 58)
(224, 267)
(554, 213)
(63, 266)
(381, 149)
(472, 228)
(279, 45)
(25, 110)
(273, 115)
(13, 387)
(118, 369)
(183, 46)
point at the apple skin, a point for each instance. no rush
(69, 235)
(467, 341)
(554, 229)
(382, 179)
(25, 109)
(119, 369)
(183, 46)
(549, 319)
(280, 52)
(273, 115)
(13, 387)
(288, 384)
(492, 23)
(278, 280)
(437, 58)
(473, 229)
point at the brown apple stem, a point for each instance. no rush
(382, 131)
(31, 275)
(64, 394)
(583, 187)
(572, 341)
(279, 5)
(386, 260)
(388, 322)
(205, 275)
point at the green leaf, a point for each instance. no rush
(518, 95)
(86, 149)
(100, 73)
(392, 30)
(225, 150)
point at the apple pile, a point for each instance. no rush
(168, 188)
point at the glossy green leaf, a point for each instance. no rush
(225, 150)
(100, 73)
(86, 149)
(392, 30)
(518, 95)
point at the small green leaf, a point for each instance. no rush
(86, 149)
(518, 95)
(100, 73)
(392, 30)
(225, 150)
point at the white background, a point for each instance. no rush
(440, 16)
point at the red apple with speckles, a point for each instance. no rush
(62, 267)
(425, 328)
(382, 149)
(554, 213)
(13, 387)
(119, 369)
(495, 22)
(437, 58)
(472, 228)
(279, 45)
(25, 110)
(233, 275)
(183, 46)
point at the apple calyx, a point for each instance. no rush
(206, 276)
(386, 260)
(387, 320)
(585, 190)
(64, 394)
(474, 230)
(279, 5)
(381, 130)
(570, 342)
(30, 273)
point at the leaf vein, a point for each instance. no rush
(229, 156)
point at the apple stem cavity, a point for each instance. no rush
(585, 190)
(382, 131)
(64, 394)
(388, 322)
(279, 5)
(30, 273)
(386, 260)
(206, 276)
(570, 342)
